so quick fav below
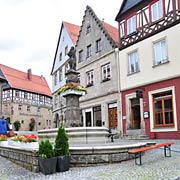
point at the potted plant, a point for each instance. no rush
(17, 125)
(61, 149)
(47, 161)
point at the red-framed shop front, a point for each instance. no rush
(157, 105)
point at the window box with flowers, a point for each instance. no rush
(3, 140)
(72, 88)
(24, 141)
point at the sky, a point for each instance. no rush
(29, 29)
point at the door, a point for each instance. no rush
(135, 117)
(113, 118)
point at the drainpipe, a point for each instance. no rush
(120, 124)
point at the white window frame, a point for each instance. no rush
(104, 71)
(89, 78)
(160, 52)
(98, 45)
(162, 129)
(133, 62)
(156, 9)
(131, 24)
(81, 55)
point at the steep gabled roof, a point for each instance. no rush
(19, 80)
(73, 31)
(109, 31)
(127, 5)
(113, 32)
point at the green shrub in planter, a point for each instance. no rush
(47, 161)
(61, 149)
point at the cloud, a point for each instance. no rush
(8, 44)
(30, 29)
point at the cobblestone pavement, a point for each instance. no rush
(155, 167)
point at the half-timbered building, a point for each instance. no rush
(149, 33)
(26, 98)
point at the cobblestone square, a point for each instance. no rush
(155, 167)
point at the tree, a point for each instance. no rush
(61, 146)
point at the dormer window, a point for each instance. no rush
(156, 10)
(131, 24)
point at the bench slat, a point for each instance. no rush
(149, 147)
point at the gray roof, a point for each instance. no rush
(126, 5)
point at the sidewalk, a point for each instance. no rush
(155, 167)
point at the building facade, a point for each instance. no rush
(67, 39)
(149, 67)
(26, 98)
(97, 62)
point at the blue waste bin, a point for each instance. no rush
(3, 126)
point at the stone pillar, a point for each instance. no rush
(72, 111)
(72, 114)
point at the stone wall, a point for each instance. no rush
(80, 156)
(25, 158)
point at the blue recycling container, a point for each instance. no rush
(3, 126)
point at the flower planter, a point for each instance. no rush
(3, 143)
(71, 91)
(31, 145)
(48, 165)
(63, 163)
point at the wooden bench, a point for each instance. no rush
(138, 152)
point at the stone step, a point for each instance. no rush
(135, 137)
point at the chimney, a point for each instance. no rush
(29, 74)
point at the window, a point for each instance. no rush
(41, 98)
(19, 107)
(38, 109)
(88, 30)
(25, 95)
(133, 62)
(55, 78)
(28, 108)
(106, 72)
(160, 52)
(98, 45)
(60, 75)
(89, 78)
(17, 93)
(66, 50)
(81, 56)
(60, 56)
(89, 50)
(163, 109)
(131, 25)
(156, 10)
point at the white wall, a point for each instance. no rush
(148, 73)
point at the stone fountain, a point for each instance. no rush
(77, 133)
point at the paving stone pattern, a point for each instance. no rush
(155, 167)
